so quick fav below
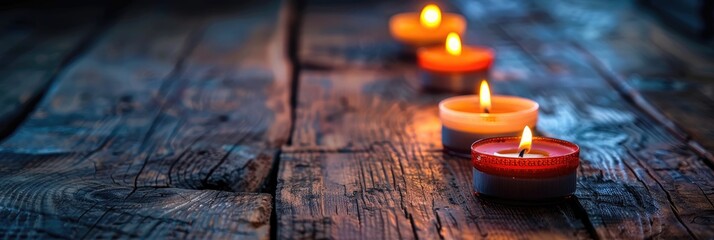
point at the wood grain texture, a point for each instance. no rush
(669, 71)
(43, 200)
(635, 179)
(354, 109)
(324, 41)
(184, 96)
(383, 193)
(689, 103)
(33, 50)
(172, 99)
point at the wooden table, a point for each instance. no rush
(303, 119)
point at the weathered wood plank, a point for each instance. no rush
(324, 41)
(173, 98)
(355, 109)
(670, 72)
(384, 193)
(34, 45)
(687, 103)
(626, 181)
(44, 200)
(167, 98)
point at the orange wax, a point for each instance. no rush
(470, 59)
(412, 29)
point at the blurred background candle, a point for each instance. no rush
(524, 170)
(466, 119)
(454, 67)
(426, 28)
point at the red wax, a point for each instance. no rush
(562, 157)
(471, 59)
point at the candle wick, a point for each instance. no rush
(520, 154)
(486, 110)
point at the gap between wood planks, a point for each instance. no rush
(109, 17)
(293, 13)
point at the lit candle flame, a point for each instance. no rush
(453, 44)
(526, 140)
(430, 16)
(484, 95)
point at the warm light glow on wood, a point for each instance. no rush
(430, 16)
(526, 140)
(484, 95)
(453, 44)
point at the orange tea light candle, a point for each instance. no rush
(453, 66)
(426, 28)
(525, 170)
(468, 118)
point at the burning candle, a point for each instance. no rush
(454, 67)
(468, 118)
(525, 170)
(426, 28)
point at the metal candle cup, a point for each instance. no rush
(548, 174)
(463, 122)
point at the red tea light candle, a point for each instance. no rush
(465, 119)
(454, 67)
(426, 28)
(525, 169)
